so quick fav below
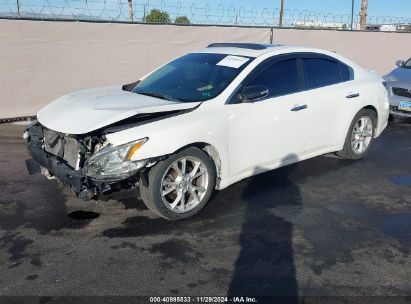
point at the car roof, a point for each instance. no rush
(240, 49)
(256, 49)
(241, 45)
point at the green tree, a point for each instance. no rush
(157, 16)
(182, 20)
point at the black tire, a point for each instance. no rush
(348, 152)
(151, 194)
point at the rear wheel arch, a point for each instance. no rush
(347, 150)
(374, 109)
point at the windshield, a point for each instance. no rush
(193, 77)
(407, 64)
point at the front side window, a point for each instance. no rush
(321, 72)
(193, 77)
(281, 78)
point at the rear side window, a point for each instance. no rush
(281, 78)
(347, 73)
(321, 72)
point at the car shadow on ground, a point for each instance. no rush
(244, 215)
(265, 265)
(243, 239)
(228, 207)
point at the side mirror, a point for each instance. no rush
(399, 63)
(130, 86)
(254, 93)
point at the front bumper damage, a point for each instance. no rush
(51, 165)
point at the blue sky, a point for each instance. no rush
(218, 10)
(400, 8)
(328, 11)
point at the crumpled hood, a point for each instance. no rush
(88, 110)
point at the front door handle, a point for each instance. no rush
(299, 108)
(353, 95)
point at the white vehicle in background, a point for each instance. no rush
(207, 120)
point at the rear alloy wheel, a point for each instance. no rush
(181, 185)
(360, 135)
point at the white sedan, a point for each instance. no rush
(206, 120)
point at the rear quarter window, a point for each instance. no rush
(321, 72)
(347, 72)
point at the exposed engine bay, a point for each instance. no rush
(75, 150)
(65, 156)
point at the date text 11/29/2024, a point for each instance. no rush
(203, 300)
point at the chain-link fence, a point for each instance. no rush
(199, 13)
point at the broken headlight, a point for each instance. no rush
(115, 162)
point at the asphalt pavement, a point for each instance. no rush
(323, 227)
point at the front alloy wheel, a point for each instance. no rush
(181, 185)
(184, 184)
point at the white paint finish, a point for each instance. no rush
(88, 110)
(373, 91)
(249, 138)
(270, 166)
(206, 124)
(266, 131)
(329, 111)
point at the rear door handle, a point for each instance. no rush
(299, 108)
(353, 95)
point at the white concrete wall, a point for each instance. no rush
(41, 60)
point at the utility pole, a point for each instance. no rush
(18, 7)
(352, 14)
(363, 14)
(280, 24)
(130, 10)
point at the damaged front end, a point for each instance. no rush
(88, 164)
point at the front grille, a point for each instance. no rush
(64, 147)
(402, 92)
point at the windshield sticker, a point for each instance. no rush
(208, 87)
(232, 61)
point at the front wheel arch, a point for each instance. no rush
(211, 151)
(152, 196)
